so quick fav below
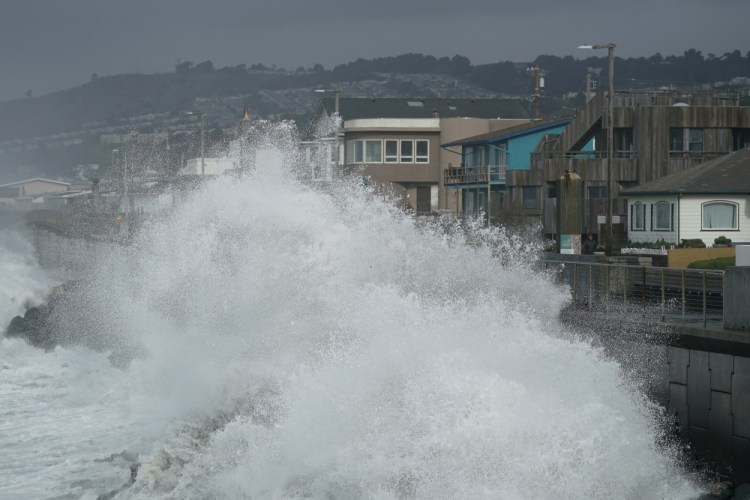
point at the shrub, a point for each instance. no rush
(655, 245)
(722, 240)
(718, 264)
(693, 243)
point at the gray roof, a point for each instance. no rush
(728, 174)
(510, 132)
(353, 108)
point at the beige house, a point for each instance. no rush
(396, 142)
(24, 194)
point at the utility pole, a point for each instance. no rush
(203, 158)
(610, 133)
(538, 85)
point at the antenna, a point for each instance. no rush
(538, 84)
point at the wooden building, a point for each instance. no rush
(656, 133)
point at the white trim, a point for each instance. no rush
(405, 124)
(19, 183)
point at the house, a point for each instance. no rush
(704, 201)
(487, 160)
(395, 142)
(209, 166)
(656, 133)
(28, 194)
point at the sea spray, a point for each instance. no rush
(296, 342)
(23, 283)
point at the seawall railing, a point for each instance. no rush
(679, 295)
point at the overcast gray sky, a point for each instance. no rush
(48, 45)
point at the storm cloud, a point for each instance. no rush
(47, 45)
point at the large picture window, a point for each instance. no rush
(719, 215)
(638, 216)
(662, 214)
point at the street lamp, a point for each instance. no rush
(336, 92)
(203, 159)
(610, 133)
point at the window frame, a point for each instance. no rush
(526, 200)
(401, 155)
(735, 216)
(390, 158)
(355, 151)
(425, 158)
(378, 150)
(635, 217)
(655, 210)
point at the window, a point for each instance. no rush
(373, 151)
(407, 151)
(423, 151)
(740, 138)
(551, 190)
(719, 215)
(677, 139)
(662, 216)
(597, 192)
(685, 139)
(695, 140)
(529, 197)
(638, 216)
(623, 139)
(391, 151)
(355, 152)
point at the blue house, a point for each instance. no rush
(488, 159)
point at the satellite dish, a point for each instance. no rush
(680, 105)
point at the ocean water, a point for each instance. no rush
(291, 342)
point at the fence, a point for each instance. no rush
(680, 295)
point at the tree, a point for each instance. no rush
(184, 67)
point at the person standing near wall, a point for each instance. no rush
(589, 245)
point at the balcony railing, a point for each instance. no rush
(475, 175)
(583, 155)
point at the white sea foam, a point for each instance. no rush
(22, 282)
(297, 344)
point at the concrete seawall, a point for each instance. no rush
(737, 298)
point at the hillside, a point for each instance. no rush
(50, 134)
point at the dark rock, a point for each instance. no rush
(742, 492)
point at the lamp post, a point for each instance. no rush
(203, 159)
(337, 92)
(610, 133)
(339, 144)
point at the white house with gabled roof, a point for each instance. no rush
(708, 200)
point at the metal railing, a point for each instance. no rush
(474, 175)
(583, 155)
(679, 295)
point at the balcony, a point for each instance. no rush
(466, 175)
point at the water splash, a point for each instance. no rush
(306, 344)
(23, 283)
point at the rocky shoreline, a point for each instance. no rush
(63, 321)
